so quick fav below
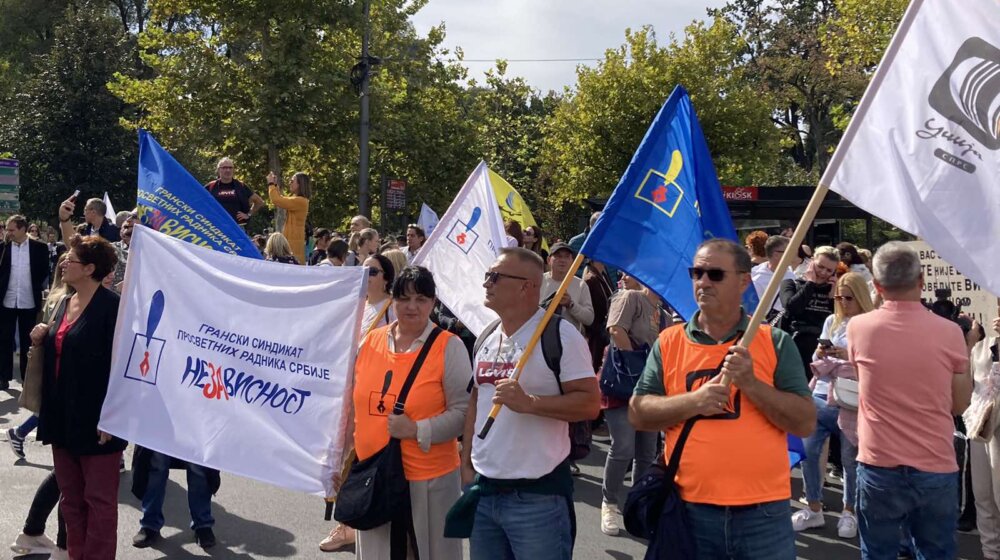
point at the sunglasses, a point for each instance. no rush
(493, 277)
(374, 272)
(714, 274)
(843, 298)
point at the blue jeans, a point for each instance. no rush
(199, 495)
(521, 525)
(826, 426)
(743, 532)
(928, 502)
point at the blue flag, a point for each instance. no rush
(173, 202)
(668, 201)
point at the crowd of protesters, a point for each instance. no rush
(848, 359)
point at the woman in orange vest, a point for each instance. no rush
(296, 206)
(432, 418)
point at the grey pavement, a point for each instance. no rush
(256, 520)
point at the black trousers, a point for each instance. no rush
(46, 499)
(24, 320)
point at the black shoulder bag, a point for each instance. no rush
(376, 490)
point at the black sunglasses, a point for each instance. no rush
(714, 274)
(492, 277)
(374, 272)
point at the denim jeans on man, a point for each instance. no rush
(523, 526)
(751, 532)
(826, 427)
(199, 495)
(927, 501)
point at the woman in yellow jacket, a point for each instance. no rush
(296, 206)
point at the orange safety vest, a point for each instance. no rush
(732, 459)
(374, 400)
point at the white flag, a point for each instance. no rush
(463, 247)
(109, 210)
(923, 149)
(237, 364)
(428, 219)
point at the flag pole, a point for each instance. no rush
(549, 312)
(767, 298)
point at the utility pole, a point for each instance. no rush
(364, 194)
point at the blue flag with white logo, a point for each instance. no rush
(668, 201)
(173, 202)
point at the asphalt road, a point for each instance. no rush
(255, 520)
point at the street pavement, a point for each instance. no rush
(256, 520)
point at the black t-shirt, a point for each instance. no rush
(316, 256)
(807, 305)
(234, 197)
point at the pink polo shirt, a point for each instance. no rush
(905, 358)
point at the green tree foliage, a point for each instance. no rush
(858, 34)
(591, 137)
(63, 123)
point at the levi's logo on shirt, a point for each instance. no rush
(489, 372)
(226, 193)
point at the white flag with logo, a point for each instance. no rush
(923, 149)
(428, 219)
(463, 247)
(237, 364)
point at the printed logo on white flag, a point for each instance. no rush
(923, 148)
(463, 247)
(237, 364)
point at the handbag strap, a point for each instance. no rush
(424, 350)
(675, 455)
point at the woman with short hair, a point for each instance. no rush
(755, 246)
(278, 250)
(76, 371)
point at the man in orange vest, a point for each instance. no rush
(734, 474)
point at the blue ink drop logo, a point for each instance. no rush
(462, 234)
(144, 359)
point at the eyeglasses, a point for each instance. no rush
(493, 277)
(843, 298)
(714, 274)
(374, 272)
(74, 261)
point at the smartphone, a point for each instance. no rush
(825, 343)
(76, 193)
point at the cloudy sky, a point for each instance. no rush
(551, 29)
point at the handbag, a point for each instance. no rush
(845, 393)
(31, 391)
(621, 371)
(376, 490)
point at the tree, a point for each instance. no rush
(860, 31)
(591, 137)
(63, 124)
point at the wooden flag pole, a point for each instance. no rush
(767, 298)
(549, 312)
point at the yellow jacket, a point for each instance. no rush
(297, 208)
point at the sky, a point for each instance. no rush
(551, 29)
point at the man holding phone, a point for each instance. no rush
(96, 223)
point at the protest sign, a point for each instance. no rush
(938, 274)
(241, 365)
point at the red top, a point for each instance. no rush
(64, 328)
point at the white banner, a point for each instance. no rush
(238, 364)
(109, 211)
(463, 247)
(939, 275)
(923, 148)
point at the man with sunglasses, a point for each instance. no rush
(809, 301)
(523, 498)
(733, 475)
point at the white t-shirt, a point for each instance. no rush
(524, 445)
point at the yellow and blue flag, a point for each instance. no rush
(668, 201)
(173, 202)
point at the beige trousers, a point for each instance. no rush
(986, 488)
(430, 500)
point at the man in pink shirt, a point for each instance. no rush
(913, 368)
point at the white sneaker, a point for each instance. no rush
(847, 527)
(807, 519)
(24, 545)
(59, 554)
(609, 519)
